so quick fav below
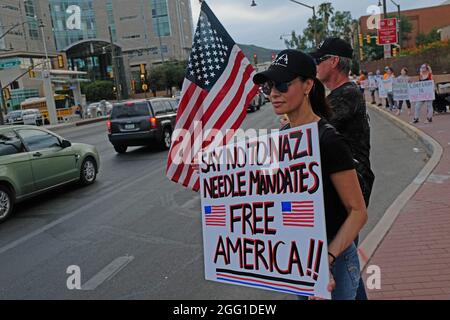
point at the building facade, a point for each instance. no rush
(423, 21)
(143, 32)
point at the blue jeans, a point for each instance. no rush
(347, 275)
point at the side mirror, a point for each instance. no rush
(65, 144)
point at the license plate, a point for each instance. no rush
(129, 126)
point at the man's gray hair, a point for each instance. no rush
(344, 66)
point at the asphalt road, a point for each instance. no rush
(136, 235)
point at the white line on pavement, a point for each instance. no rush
(107, 273)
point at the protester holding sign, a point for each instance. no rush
(294, 90)
(404, 76)
(388, 78)
(425, 74)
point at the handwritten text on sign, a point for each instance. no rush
(421, 91)
(263, 213)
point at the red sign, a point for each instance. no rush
(387, 32)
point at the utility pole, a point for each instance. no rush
(115, 69)
(3, 105)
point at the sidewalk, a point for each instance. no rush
(414, 255)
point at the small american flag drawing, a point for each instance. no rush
(298, 214)
(215, 216)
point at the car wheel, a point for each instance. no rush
(88, 172)
(120, 149)
(166, 139)
(6, 203)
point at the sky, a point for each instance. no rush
(264, 24)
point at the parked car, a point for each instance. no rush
(32, 117)
(98, 109)
(34, 160)
(14, 117)
(257, 101)
(141, 123)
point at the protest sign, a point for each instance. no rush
(364, 84)
(400, 89)
(263, 213)
(373, 82)
(421, 91)
(384, 87)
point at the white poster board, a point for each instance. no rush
(263, 213)
(364, 84)
(373, 83)
(384, 87)
(400, 88)
(421, 91)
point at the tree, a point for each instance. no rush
(297, 42)
(167, 75)
(424, 39)
(325, 12)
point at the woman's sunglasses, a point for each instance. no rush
(282, 87)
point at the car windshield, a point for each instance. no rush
(128, 110)
(15, 113)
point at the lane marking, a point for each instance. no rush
(81, 209)
(107, 273)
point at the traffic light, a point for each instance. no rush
(142, 69)
(368, 39)
(31, 72)
(6, 94)
(61, 61)
(255, 59)
(360, 37)
(273, 56)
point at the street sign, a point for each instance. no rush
(387, 32)
(387, 51)
(9, 63)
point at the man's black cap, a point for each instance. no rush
(288, 65)
(335, 47)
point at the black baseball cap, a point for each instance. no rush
(288, 65)
(334, 46)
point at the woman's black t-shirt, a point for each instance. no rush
(335, 156)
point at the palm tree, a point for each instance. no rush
(325, 12)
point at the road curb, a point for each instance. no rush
(75, 124)
(373, 240)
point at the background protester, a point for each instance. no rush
(404, 75)
(390, 75)
(294, 90)
(349, 116)
(425, 74)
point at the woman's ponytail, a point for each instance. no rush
(318, 100)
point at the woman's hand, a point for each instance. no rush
(331, 286)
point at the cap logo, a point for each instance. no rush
(281, 61)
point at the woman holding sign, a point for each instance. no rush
(294, 90)
(425, 74)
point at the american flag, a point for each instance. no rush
(298, 213)
(215, 216)
(216, 91)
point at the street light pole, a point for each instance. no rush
(398, 25)
(313, 8)
(115, 69)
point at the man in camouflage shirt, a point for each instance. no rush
(350, 117)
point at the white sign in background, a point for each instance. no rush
(421, 91)
(400, 88)
(264, 235)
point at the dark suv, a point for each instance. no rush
(141, 123)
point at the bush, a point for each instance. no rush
(98, 90)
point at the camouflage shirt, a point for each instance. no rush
(350, 118)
